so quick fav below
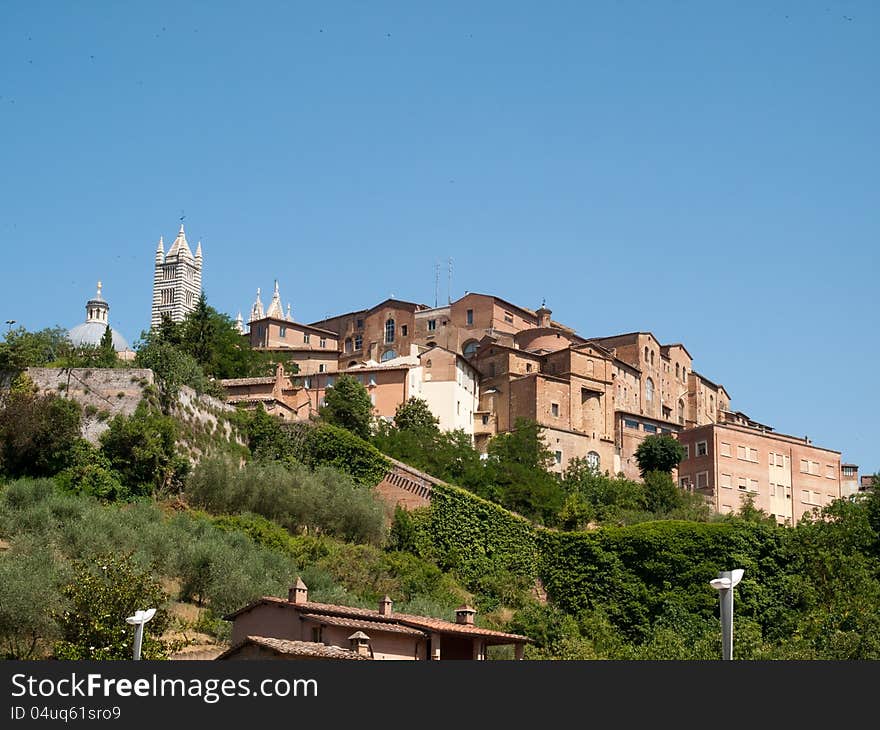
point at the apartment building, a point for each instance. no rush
(786, 476)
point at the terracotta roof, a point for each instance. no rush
(295, 648)
(248, 381)
(354, 623)
(418, 622)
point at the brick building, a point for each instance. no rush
(786, 476)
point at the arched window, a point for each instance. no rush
(389, 330)
(647, 355)
(593, 460)
(388, 355)
(712, 405)
(676, 371)
(348, 344)
(649, 391)
(681, 412)
(684, 375)
(652, 357)
(470, 348)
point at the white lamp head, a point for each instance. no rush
(720, 584)
(141, 617)
(736, 576)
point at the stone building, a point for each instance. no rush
(177, 280)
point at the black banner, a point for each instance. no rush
(390, 694)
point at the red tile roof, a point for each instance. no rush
(308, 649)
(402, 619)
(353, 623)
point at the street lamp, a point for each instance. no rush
(139, 619)
(9, 323)
(726, 581)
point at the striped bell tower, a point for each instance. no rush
(177, 279)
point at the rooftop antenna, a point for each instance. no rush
(182, 216)
(436, 283)
(449, 285)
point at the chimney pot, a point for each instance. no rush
(465, 615)
(385, 606)
(298, 592)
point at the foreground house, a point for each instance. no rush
(297, 628)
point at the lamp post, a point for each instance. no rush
(139, 619)
(9, 323)
(726, 581)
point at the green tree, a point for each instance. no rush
(414, 415)
(172, 368)
(659, 453)
(347, 404)
(21, 349)
(662, 495)
(91, 473)
(141, 448)
(29, 598)
(106, 354)
(199, 334)
(101, 594)
(37, 433)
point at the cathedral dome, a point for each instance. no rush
(92, 330)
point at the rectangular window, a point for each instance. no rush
(753, 485)
(558, 456)
(805, 466)
(779, 460)
(702, 480)
(687, 451)
(631, 424)
(753, 455)
(554, 410)
(282, 331)
(358, 342)
(725, 449)
(772, 489)
(829, 471)
(323, 342)
(330, 381)
(725, 481)
(306, 338)
(805, 496)
(814, 467)
(322, 367)
(307, 383)
(742, 453)
(701, 448)
(470, 316)
(485, 420)
(359, 324)
(403, 330)
(508, 317)
(432, 325)
(684, 483)
(741, 483)
(528, 367)
(650, 428)
(458, 408)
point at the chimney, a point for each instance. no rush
(543, 316)
(360, 643)
(298, 593)
(385, 606)
(465, 615)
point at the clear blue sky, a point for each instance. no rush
(704, 170)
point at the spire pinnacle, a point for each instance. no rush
(98, 296)
(199, 250)
(275, 309)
